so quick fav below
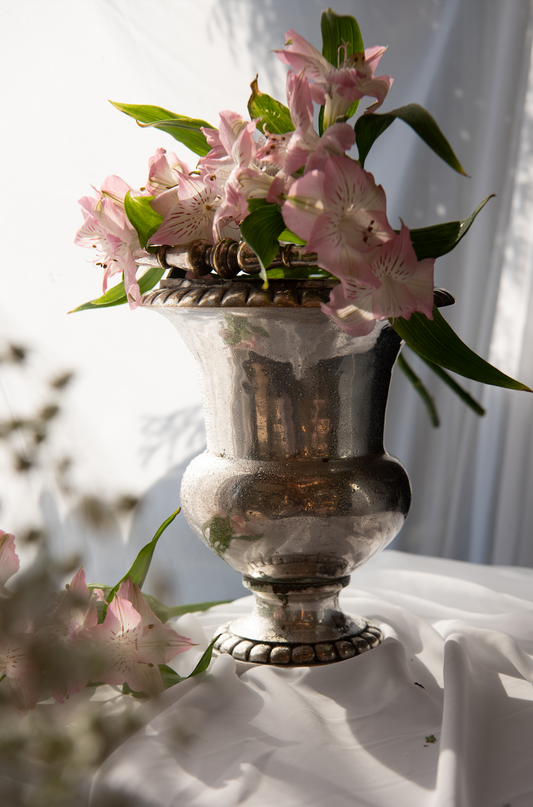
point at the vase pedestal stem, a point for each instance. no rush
(293, 624)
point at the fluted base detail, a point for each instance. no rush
(295, 654)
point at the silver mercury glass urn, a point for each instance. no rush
(295, 489)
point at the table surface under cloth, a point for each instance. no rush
(439, 715)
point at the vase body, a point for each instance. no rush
(295, 489)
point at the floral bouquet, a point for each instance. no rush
(281, 179)
(55, 645)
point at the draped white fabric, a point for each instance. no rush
(439, 715)
(133, 412)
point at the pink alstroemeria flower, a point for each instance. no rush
(69, 630)
(9, 561)
(133, 641)
(341, 213)
(336, 87)
(191, 210)
(165, 170)
(188, 213)
(258, 183)
(21, 682)
(406, 287)
(232, 146)
(303, 146)
(107, 229)
(233, 151)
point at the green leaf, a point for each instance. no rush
(439, 239)
(428, 400)
(298, 273)
(255, 204)
(186, 130)
(338, 30)
(275, 117)
(291, 238)
(127, 690)
(460, 391)
(369, 127)
(117, 294)
(140, 566)
(367, 130)
(203, 664)
(101, 586)
(321, 121)
(435, 341)
(261, 230)
(171, 677)
(166, 612)
(145, 220)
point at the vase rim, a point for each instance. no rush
(245, 292)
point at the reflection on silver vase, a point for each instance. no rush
(295, 489)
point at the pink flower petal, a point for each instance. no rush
(354, 320)
(393, 299)
(165, 171)
(421, 286)
(396, 258)
(9, 561)
(304, 203)
(337, 253)
(300, 54)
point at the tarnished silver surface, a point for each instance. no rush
(295, 489)
(259, 651)
(242, 292)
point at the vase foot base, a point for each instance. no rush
(297, 654)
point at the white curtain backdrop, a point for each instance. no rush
(132, 417)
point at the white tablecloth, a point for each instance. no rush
(439, 715)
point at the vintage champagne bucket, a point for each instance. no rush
(295, 489)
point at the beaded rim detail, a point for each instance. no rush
(208, 292)
(297, 655)
(246, 293)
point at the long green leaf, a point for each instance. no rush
(203, 664)
(166, 612)
(291, 238)
(367, 130)
(117, 294)
(457, 388)
(140, 566)
(435, 341)
(187, 130)
(418, 386)
(145, 220)
(261, 230)
(369, 127)
(127, 690)
(298, 273)
(171, 677)
(255, 204)
(274, 116)
(439, 239)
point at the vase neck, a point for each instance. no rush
(287, 384)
